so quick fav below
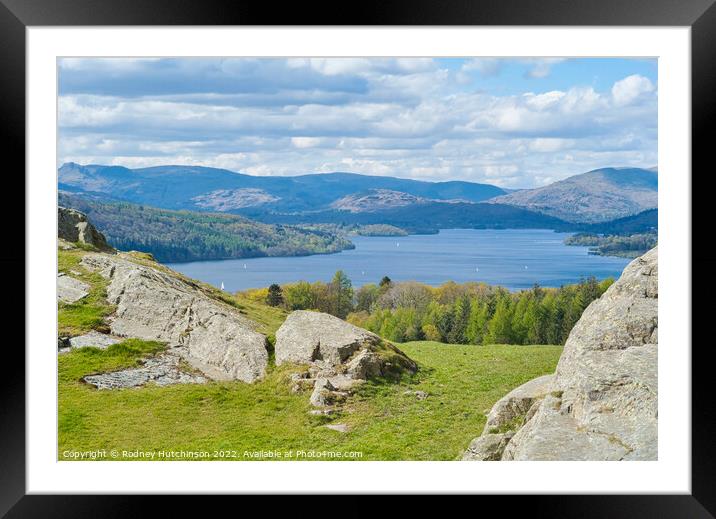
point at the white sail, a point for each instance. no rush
(222, 285)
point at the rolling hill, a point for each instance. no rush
(210, 189)
(596, 196)
(173, 236)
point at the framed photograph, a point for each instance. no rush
(410, 251)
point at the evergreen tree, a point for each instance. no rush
(499, 329)
(275, 295)
(477, 322)
(461, 316)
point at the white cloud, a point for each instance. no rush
(486, 67)
(541, 67)
(631, 88)
(306, 142)
(404, 117)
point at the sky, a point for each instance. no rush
(511, 122)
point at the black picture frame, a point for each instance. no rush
(17, 15)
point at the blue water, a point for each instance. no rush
(513, 258)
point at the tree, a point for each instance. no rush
(366, 296)
(274, 296)
(431, 333)
(406, 295)
(461, 316)
(385, 284)
(340, 293)
(477, 322)
(499, 329)
(299, 296)
(443, 321)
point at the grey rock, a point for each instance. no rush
(308, 336)
(344, 382)
(163, 370)
(322, 412)
(63, 343)
(420, 395)
(69, 289)
(95, 339)
(603, 401)
(340, 427)
(365, 365)
(517, 402)
(488, 447)
(73, 226)
(153, 304)
(331, 346)
(339, 356)
(326, 394)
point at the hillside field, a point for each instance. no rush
(229, 420)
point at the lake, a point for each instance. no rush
(513, 258)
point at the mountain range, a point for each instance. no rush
(211, 189)
(589, 198)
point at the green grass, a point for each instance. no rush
(463, 382)
(268, 318)
(89, 312)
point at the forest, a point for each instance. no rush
(469, 313)
(628, 246)
(175, 236)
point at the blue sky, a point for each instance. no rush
(513, 122)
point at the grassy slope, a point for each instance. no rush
(463, 382)
(89, 312)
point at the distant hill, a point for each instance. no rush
(646, 221)
(376, 200)
(429, 217)
(210, 189)
(595, 196)
(174, 236)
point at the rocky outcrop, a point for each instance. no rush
(163, 370)
(488, 447)
(337, 355)
(72, 226)
(69, 289)
(602, 402)
(93, 339)
(152, 304)
(517, 403)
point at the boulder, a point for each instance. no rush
(73, 226)
(153, 304)
(602, 402)
(330, 343)
(515, 405)
(488, 447)
(93, 339)
(69, 289)
(308, 336)
(338, 354)
(163, 370)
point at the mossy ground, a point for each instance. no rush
(226, 420)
